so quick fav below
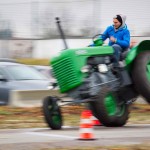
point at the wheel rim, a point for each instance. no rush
(55, 116)
(111, 106)
(148, 70)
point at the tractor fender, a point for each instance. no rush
(142, 46)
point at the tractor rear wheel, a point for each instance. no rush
(110, 111)
(141, 74)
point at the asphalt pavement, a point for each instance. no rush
(33, 138)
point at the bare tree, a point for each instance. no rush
(5, 29)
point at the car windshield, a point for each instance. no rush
(21, 72)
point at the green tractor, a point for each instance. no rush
(87, 76)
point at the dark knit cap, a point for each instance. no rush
(118, 17)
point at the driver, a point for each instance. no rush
(119, 36)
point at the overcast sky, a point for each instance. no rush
(22, 14)
(18, 12)
(98, 14)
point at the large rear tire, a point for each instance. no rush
(109, 110)
(141, 74)
(52, 113)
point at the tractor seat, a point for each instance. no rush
(124, 54)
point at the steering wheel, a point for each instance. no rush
(96, 36)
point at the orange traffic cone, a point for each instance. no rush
(95, 121)
(86, 126)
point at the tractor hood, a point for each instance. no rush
(67, 66)
(87, 51)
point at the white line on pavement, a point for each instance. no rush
(51, 135)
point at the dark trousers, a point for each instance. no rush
(117, 52)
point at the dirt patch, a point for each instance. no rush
(13, 117)
(58, 146)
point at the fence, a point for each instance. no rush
(26, 19)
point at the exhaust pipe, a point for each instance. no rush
(61, 32)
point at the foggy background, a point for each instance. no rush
(28, 27)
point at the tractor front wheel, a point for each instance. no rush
(141, 74)
(52, 113)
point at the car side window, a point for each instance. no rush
(1, 73)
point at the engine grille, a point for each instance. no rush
(66, 74)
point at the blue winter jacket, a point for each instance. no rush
(122, 35)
